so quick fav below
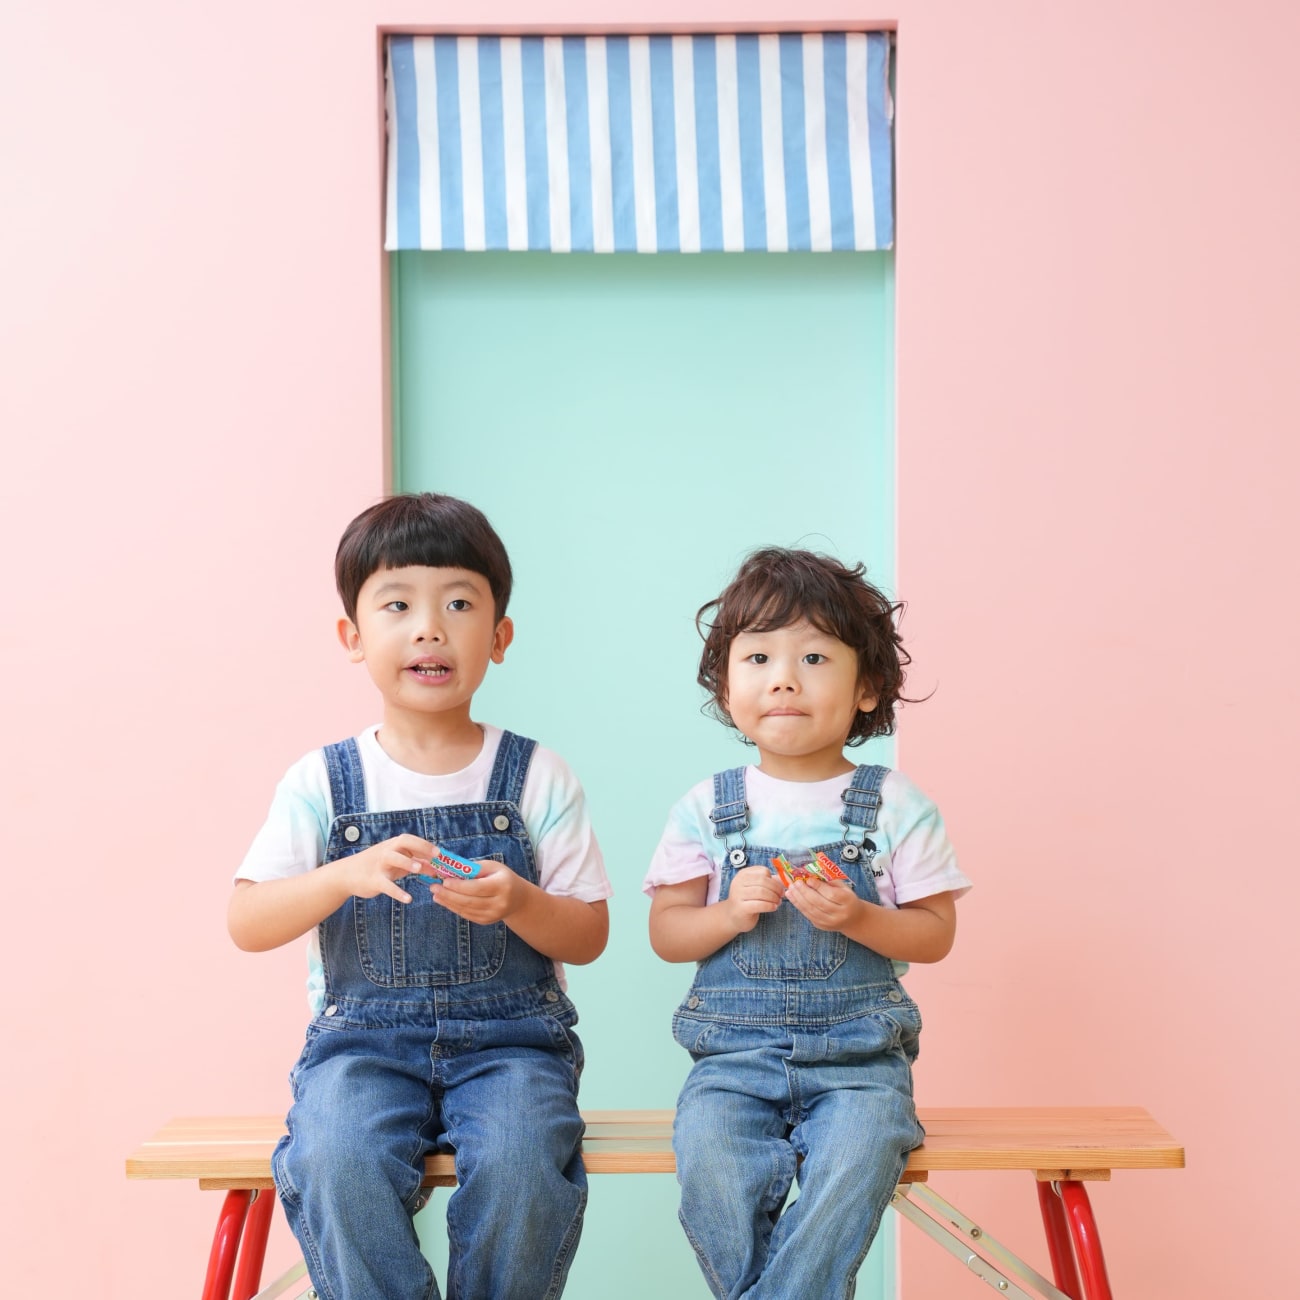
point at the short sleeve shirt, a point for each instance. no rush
(914, 851)
(554, 808)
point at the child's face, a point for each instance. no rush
(426, 637)
(794, 692)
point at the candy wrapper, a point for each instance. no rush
(450, 866)
(783, 870)
(829, 870)
(821, 867)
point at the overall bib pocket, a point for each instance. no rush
(784, 945)
(421, 944)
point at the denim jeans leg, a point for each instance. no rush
(857, 1127)
(350, 1169)
(734, 1164)
(511, 1115)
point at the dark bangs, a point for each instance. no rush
(429, 529)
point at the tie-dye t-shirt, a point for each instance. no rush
(553, 806)
(914, 850)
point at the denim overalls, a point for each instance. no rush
(437, 1034)
(802, 1041)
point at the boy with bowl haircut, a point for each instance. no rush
(441, 1021)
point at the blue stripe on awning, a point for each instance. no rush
(667, 220)
(705, 57)
(794, 140)
(581, 232)
(830, 166)
(450, 172)
(403, 147)
(493, 132)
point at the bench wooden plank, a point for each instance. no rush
(235, 1151)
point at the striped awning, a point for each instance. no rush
(642, 144)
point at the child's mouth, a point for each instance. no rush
(430, 670)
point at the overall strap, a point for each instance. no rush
(347, 779)
(730, 815)
(862, 800)
(506, 784)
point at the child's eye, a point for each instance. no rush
(814, 658)
(758, 657)
(458, 604)
(397, 606)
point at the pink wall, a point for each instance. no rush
(1097, 278)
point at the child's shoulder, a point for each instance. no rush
(698, 800)
(551, 786)
(307, 775)
(688, 816)
(903, 797)
(548, 768)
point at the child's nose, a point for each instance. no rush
(428, 628)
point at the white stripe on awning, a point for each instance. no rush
(640, 143)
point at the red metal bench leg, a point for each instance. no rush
(1087, 1241)
(225, 1245)
(1064, 1273)
(248, 1276)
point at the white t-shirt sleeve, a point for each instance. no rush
(554, 808)
(922, 861)
(293, 837)
(681, 853)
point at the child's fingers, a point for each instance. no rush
(806, 897)
(412, 846)
(395, 864)
(481, 889)
(478, 887)
(754, 899)
(457, 896)
(827, 908)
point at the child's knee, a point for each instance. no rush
(345, 1165)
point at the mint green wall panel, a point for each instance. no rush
(633, 426)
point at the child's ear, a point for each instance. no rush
(869, 698)
(350, 639)
(501, 639)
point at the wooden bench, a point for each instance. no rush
(1063, 1148)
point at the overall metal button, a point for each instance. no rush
(692, 1002)
(737, 857)
(331, 1010)
(501, 822)
(849, 853)
(552, 996)
(352, 834)
(894, 995)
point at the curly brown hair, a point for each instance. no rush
(776, 587)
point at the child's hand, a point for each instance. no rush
(828, 907)
(373, 870)
(754, 890)
(494, 894)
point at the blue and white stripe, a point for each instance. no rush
(728, 143)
